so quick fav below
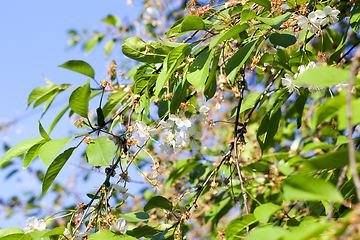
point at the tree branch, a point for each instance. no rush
(352, 157)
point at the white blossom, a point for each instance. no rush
(144, 130)
(35, 224)
(269, 66)
(329, 15)
(123, 191)
(288, 82)
(269, 47)
(180, 119)
(167, 126)
(119, 226)
(312, 23)
(189, 136)
(202, 113)
(172, 144)
(78, 235)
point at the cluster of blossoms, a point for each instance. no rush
(318, 18)
(288, 80)
(175, 138)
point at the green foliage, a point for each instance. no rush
(293, 174)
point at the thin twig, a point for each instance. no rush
(208, 178)
(338, 185)
(351, 146)
(242, 88)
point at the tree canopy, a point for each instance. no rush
(238, 117)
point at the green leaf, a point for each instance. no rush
(268, 233)
(89, 46)
(52, 148)
(355, 17)
(220, 207)
(340, 48)
(54, 232)
(181, 92)
(277, 21)
(112, 20)
(54, 169)
(110, 235)
(316, 145)
(192, 23)
(327, 110)
(247, 14)
(268, 128)
(283, 39)
(114, 100)
(238, 224)
(308, 230)
(323, 76)
(299, 187)
(79, 100)
(211, 83)
(342, 115)
(170, 44)
(136, 217)
(232, 33)
(42, 94)
(158, 202)
(109, 47)
(20, 148)
(43, 132)
(11, 233)
(100, 116)
(80, 67)
(199, 69)
(328, 160)
(264, 3)
(32, 153)
(265, 211)
(171, 62)
(58, 117)
(100, 151)
(149, 52)
(238, 59)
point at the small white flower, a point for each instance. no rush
(202, 113)
(288, 82)
(180, 119)
(34, 223)
(119, 226)
(312, 23)
(193, 135)
(123, 191)
(329, 16)
(144, 130)
(172, 144)
(78, 235)
(167, 126)
(269, 47)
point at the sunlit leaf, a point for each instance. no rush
(52, 148)
(265, 211)
(199, 69)
(20, 148)
(100, 151)
(237, 224)
(298, 187)
(136, 217)
(79, 100)
(110, 235)
(80, 67)
(54, 169)
(323, 76)
(277, 21)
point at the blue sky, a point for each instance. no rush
(33, 43)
